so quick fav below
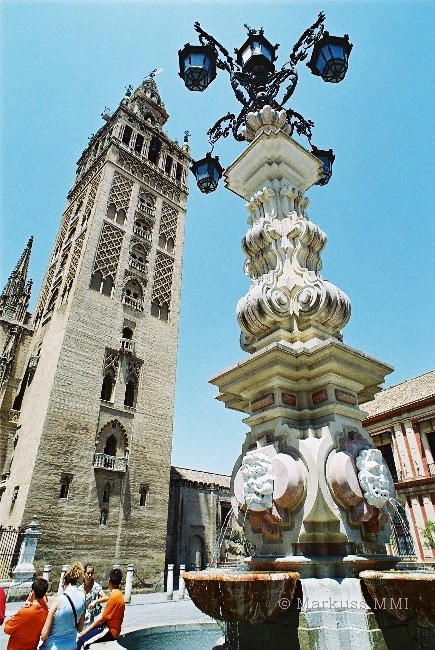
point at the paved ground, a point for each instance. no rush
(145, 610)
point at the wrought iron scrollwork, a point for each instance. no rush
(256, 91)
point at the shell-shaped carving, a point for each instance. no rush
(266, 120)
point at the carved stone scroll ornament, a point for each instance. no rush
(283, 260)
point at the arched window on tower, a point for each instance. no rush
(164, 312)
(132, 295)
(107, 387)
(107, 286)
(154, 150)
(111, 446)
(130, 393)
(142, 228)
(127, 333)
(103, 517)
(111, 211)
(168, 164)
(126, 136)
(120, 216)
(138, 258)
(65, 482)
(106, 493)
(138, 143)
(160, 311)
(170, 245)
(96, 281)
(143, 495)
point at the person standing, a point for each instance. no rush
(94, 595)
(25, 626)
(2, 605)
(67, 613)
(107, 625)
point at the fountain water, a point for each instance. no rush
(312, 489)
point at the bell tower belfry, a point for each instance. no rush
(93, 443)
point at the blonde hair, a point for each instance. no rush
(74, 573)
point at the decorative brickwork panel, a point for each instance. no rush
(168, 222)
(75, 258)
(120, 192)
(92, 193)
(44, 292)
(109, 251)
(84, 180)
(163, 279)
(149, 176)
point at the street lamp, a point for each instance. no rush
(257, 55)
(326, 157)
(330, 57)
(197, 66)
(256, 84)
(207, 172)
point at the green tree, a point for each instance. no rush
(239, 545)
(428, 533)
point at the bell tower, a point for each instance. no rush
(93, 444)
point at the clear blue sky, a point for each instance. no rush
(63, 62)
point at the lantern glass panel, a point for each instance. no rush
(207, 173)
(197, 67)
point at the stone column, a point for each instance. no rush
(47, 572)
(62, 575)
(25, 569)
(181, 583)
(170, 582)
(128, 583)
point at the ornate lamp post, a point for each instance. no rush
(256, 84)
(312, 490)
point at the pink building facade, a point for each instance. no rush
(401, 420)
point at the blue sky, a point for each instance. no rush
(62, 63)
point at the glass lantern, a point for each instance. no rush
(329, 59)
(207, 172)
(327, 158)
(257, 54)
(197, 66)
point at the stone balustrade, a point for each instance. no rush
(111, 463)
(135, 303)
(127, 345)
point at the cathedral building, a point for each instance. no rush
(87, 383)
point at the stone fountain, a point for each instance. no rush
(308, 481)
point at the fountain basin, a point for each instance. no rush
(405, 595)
(235, 596)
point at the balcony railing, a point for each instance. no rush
(431, 469)
(136, 264)
(135, 303)
(111, 463)
(127, 345)
(146, 209)
(145, 234)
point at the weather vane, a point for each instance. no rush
(154, 73)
